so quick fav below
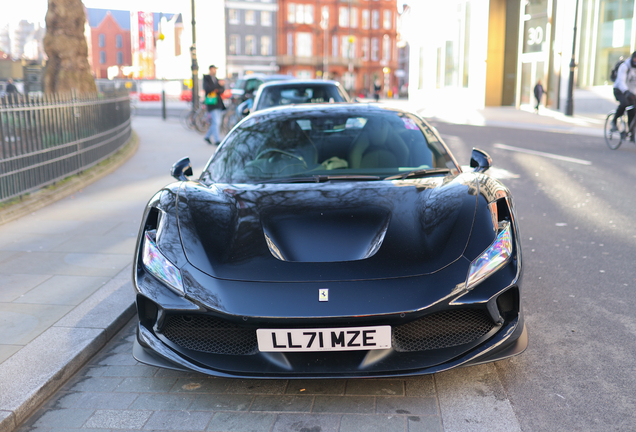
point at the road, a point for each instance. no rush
(574, 199)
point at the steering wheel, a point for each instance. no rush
(274, 150)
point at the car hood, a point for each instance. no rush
(326, 231)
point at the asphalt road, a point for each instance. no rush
(579, 244)
(574, 199)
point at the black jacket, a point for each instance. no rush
(210, 85)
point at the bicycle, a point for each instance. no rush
(230, 117)
(191, 119)
(616, 138)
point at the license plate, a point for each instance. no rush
(332, 339)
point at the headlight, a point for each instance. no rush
(160, 267)
(495, 257)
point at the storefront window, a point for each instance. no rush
(614, 34)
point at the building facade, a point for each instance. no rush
(493, 52)
(352, 41)
(250, 37)
(108, 40)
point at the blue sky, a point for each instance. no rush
(35, 10)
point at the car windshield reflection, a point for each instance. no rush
(314, 143)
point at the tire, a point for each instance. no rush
(187, 119)
(230, 118)
(615, 139)
(201, 121)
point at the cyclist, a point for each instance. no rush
(625, 90)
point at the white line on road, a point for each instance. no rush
(538, 153)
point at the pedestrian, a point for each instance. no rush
(377, 88)
(11, 89)
(213, 104)
(538, 94)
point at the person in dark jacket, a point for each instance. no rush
(538, 94)
(11, 89)
(213, 104)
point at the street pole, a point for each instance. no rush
(195, 64)
(569, 104)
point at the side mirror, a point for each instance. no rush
(181, 169)
(480, 160)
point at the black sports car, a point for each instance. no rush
(329, 240)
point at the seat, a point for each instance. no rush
(378, 146)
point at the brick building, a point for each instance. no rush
(109, 40)
(353, 41)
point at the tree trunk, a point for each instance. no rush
(67, 68)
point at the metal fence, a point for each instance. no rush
(45, 139)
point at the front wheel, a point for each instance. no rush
(615, 139)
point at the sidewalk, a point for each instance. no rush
(589, 122)
(65, 269)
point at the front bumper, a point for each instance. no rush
(460, 328)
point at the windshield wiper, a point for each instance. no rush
(321, 179)
(419, 173)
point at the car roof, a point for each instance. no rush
(342, 107)
(265, 77)
(297, 81)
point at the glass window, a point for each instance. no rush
(343, 16)
(375, 49)
(291, 13)
(255, 150)
(334, 46)
(266, 46)
(309, 14)
(290, 44)
(365, 48)
(250, 45)
(250, 17)
(118, 41)
(233, 16)
(348, 47)
(375, 19)
(102, 57)
(266, 18)
(120, 58)
(386, 48)
(303, 45)
(365, 19)
(235, 45)
(386, 19)
(354, 17)
(102, 40)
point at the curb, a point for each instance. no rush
(23, 206)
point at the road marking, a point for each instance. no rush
(538, 153)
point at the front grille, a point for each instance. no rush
(210, 335)
(442, 330)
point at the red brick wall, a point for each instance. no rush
(369, 67)
(110, 29)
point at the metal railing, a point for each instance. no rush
(44, 139)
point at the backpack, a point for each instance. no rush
(614, 72)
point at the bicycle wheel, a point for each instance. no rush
(615, 139)
(230, 118)
(201, 121)
(187, 119)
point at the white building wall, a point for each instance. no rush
(431, 25)
(210, 27)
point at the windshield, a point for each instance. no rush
(298, 94)
(326, 143)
